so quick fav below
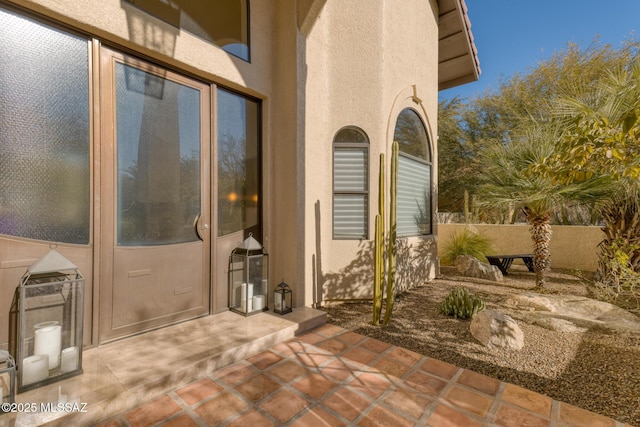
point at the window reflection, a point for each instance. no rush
(238, 163)
(158, 128)
(221, 22)
(412, 135)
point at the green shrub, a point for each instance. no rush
(460, 303)
(466, 242)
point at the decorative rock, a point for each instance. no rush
(571, 313)
(472, 267)
(529, 302)
(495, 329)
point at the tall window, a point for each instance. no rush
(238, 164)
(221, 22)
(44, 132)
(414, 175)
(350, 184)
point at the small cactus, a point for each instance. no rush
(461, 304)
(378, 262)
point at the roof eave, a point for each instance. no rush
(458, 61)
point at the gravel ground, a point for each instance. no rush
(591, 370)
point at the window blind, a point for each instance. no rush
(414, 197)
(350, 201)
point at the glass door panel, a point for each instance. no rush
(158, 131)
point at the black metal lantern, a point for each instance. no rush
(282, 299)
(7, 379)
(50, 316)
(248, 278)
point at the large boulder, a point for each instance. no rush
(570, 313)
(495, 329)
(471, 266)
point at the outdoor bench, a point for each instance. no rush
(503, 262)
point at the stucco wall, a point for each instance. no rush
(572, 247)
(366, 61)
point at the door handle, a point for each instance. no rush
(199, 228)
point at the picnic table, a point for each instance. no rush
(503, 262)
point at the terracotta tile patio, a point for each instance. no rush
(331, 377)
(293, 370)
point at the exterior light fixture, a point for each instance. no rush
(49, 304)
(282, 299)
(248, 278)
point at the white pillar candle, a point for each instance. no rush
(69, 359)
(48, 341)
(258, 302)
(35, 368)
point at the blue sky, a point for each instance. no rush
(515, 35)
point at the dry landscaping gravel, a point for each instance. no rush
(591, 370)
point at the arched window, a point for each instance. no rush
(414, 175)
(350, 184)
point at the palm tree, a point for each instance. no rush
(512, 178)
(602, 137)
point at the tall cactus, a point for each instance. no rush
(378, 261)
(393, 248)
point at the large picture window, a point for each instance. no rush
(350, 184)
(414, 175)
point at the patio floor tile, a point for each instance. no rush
(425, 383)
(317, 417)
(512, 416)
(333, 377)
(314, 385)
(284, 405)
(198, 391)
(408, 402)
(287, 371)
(258, 388)
(479, 382)
(439, 368)
(573, 416)
(445, 416)
(252, 418)
(153, 412)
(391, 367)
(347, 403)
(384, 417)
(469, 400)
(527, 399)
(264, 360)
(221, 407)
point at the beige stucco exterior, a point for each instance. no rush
(316, 66)
(344, 65)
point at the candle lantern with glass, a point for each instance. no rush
(282, 299)
(248, 278)
(7, 378)
(49, 328)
